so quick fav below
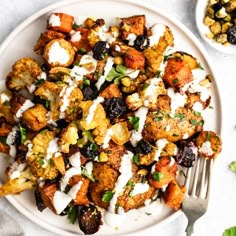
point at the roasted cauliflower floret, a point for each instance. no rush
(93, 114)
(24, 73)
(160, 125)
(100, 131)
(35, 118)
(209, 144)
(41, 156)
(59, 52)
(17, 182)
(134, 101)
(69, 136)
(154, 54)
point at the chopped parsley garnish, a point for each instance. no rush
(232, 166)
(134, 120)
(145, 86)
(208, 136)
(85, 172)
(180, 116)
(3, 140)
(200, 66)
(72, 214)
(41, 161)
(230, 231)
(157, 176)
(6, 103)
(197, 113)
(195, 122)
(158, 74)
(107, 196)
(166, 57)
(116, 74)
(39, 82)
(22, 134)
(47, 104)
(75, 26)
(135, 159)
(158, 118)
(82, 51)
(175, 81)
(175, 135)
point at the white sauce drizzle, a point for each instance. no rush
(52, 150)
(58, 54)
(131, 38)
(136, 136)
(74, 190)
(107, 68)
(86, 66)
(197, 106)
(158, 31)
(160, 143)
(93, 108)
(177, 100)
(65, 95)
(107, 138)
(16, 169)
(54, 20)
(139, 188)
(172, 161)
(26, 105)
(75, 160)
(185, 136)
(206, 148)
(4, 98)
(133, 74)
(125, 174)
(60, 201)
(10, 140)
(75, 36)
(104, 35)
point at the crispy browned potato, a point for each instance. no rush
(47, 193)
(209, 144)
(35, 117)
(189, 59)
(128, 201)
(67, 53)
(185, 122)
(132, 25)
(112, 91)
(65, 22)
(106, 178)
(45, 38)
(134, 59)
(120, 133)
(177, 73)
(174, 195)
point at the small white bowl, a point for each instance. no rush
(203, 29)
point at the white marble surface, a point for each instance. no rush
(222, 207)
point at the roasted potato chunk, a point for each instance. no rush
(177, 73)
(106, 178)
(35, 118)
(134, 60)
(112, 91)
(132, 25)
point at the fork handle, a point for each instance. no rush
(189, 230)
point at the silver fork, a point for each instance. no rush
(197, 192)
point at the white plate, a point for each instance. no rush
(203, 29)
(20, 44)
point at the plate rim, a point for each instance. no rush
(141, 4)
(199, 9)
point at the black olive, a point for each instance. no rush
(90, 92)
(130, 147)
(100, 49)
(141, 42)
(89, 150)
(39, 201)
(38, 100)
(100, 22)
(90, 219)
(62, 123)
(114, 107)
(65, 211)
(231, 35)
(45, 67)
(143, 147)
(17, 138)
(216, 7)
(187, 154)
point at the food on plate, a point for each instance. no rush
(105, 124)
(221, 20)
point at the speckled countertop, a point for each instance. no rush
(222, 207)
